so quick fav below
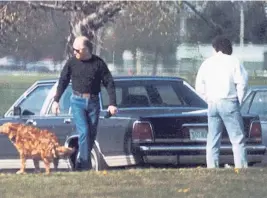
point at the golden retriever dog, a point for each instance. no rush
(36, 144)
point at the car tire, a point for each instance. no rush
(98, 162)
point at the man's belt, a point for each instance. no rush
(85, 95)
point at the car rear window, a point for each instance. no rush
(153, 93)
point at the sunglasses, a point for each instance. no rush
(76, 50)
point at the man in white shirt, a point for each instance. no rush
(222, 82)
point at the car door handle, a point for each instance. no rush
(31, 122)
(67, 120)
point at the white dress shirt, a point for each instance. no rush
(221, 77)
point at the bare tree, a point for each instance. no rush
(150, 26)
(30, 34)
(85, 18)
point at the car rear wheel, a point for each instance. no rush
(98, 162)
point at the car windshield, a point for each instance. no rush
(32, 103)
(153, 93)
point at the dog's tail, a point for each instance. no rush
(64, 151)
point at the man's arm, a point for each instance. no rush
(200, 83)
(109, 84)
(63, 82)
(241, 81)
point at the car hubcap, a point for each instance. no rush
(94, 161)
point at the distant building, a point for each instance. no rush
(251, 55)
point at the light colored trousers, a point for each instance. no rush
(227, 112)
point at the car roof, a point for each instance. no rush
(118, 78)
(258, 87)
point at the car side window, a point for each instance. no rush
(33, 102)
(137, 90)
(135, 96)
(64, 102)
(168, 95)
(246, 104)
(153, 93)
(259, 103)
(105, 96)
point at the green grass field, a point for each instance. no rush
(143, 183)
(12, 86)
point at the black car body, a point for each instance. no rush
(160, 119)
(255, 103)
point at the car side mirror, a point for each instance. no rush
(16, 111)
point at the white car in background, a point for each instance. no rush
(45, 65)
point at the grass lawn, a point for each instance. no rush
(191, 183)
(12, 86)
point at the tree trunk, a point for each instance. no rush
(97, 40)
(155, 65)
(134, 61)
(138, 61)
(242, 28)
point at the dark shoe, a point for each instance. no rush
(78, 166)
(82, 165)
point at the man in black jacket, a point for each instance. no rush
(86, 71)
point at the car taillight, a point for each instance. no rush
(142, 132)
(255, 130)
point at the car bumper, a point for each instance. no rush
(196, 150)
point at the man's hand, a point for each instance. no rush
(55, 108)
(112, 109)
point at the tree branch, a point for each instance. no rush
(55, 6)
(96, 20)
(210, 23)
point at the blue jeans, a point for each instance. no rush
(85, 114)
(227, 112)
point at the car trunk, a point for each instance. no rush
(187, 126)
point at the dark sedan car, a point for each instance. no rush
(160, 119)
(255, 103)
